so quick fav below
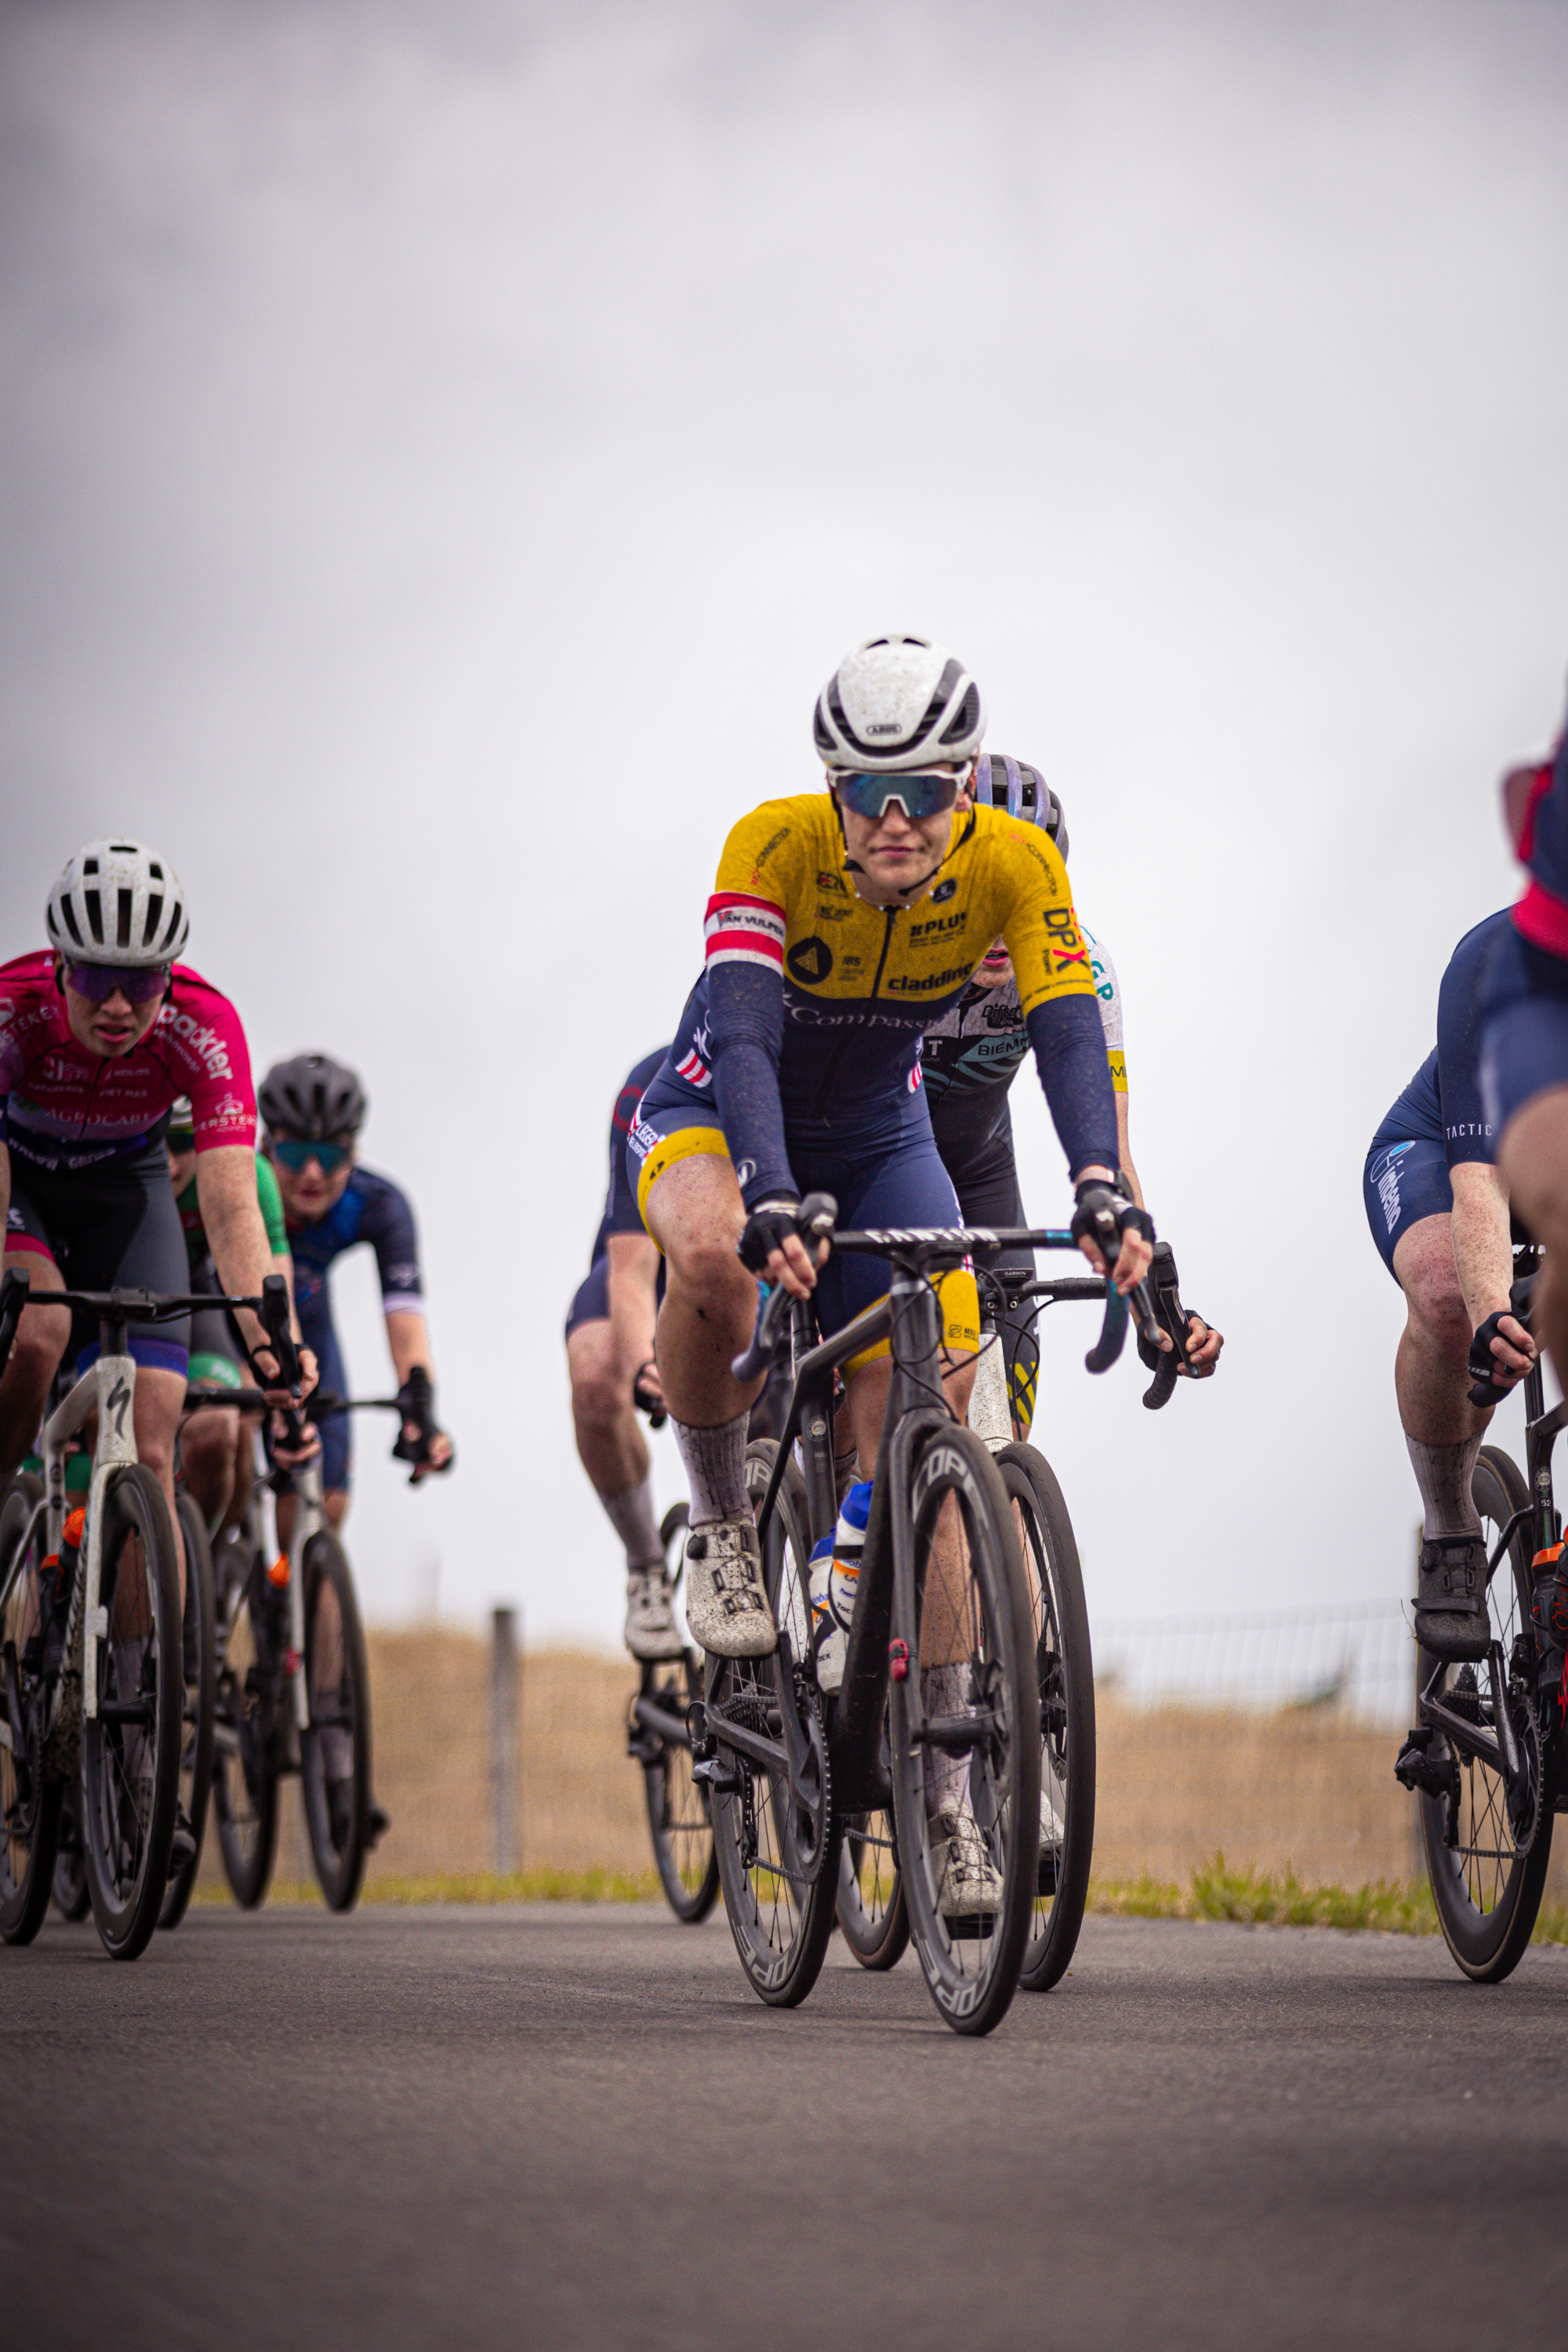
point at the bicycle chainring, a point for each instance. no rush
(811, 1827)
(1522, 1806)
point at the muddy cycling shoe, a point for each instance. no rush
(183, 1851)
(726, 1603)
(651, 1631)
(1451, 1619)
(968, 1886)
(379, 1822)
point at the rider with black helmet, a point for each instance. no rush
(313, 1108)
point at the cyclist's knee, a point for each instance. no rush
(704, 1265)
(208, 1445)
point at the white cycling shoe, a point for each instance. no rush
(726, 1601)
(651, 1631)
(968, 1886)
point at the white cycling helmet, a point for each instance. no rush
(899, 701)
(118, 902)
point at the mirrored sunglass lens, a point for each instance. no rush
(918, 795)
(138, 984)
(327, 1156)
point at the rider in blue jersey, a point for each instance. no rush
(609, 1355)
(314, 1109)
(1439, 1216)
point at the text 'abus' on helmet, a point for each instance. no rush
(118, 902)
(899, 701)
(311, 1096)
(1003, 782)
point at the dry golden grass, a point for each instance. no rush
(1294, 1801)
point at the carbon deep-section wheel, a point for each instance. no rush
(778, 1856)
(130, 1746)
(964, 1724)
(30, 1798)
(1486, 1880)
(199, 1666)
(1064, 1671)
(334, 1765)
(245, 1731)
(677, 1815)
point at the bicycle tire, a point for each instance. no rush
(780, 1910)
(199, 1666)
(334, 1749)
(1065, 1673)
(130, 1768)
(679, 1818)
(874, 1918)
(248, 1688)
(71, 1895)
(30, 1798)
(971, 1963)
(1487, 1894)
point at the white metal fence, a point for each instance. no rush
(1357, 1658)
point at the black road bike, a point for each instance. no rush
(936, 1726)
(872, 1910)
(1487, 1752)
(294, 1678)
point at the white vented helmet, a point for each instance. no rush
(118, 902)
(897, 703)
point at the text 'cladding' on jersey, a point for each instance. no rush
(807, 1020)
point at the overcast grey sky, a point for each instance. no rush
(445, 448)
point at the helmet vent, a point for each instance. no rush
(149, 927)
(125, 848)
(89, 865)
(94, 907)
(73, 926)
(122, 930)
(176, 920)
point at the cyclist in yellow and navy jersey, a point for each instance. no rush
(843, 921)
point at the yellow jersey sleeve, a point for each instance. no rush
(1050, 955)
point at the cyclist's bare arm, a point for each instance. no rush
(1483, 1258)
(236, 1235)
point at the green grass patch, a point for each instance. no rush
(1260, 1899)
(592, 1886)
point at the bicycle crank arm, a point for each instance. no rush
(1513, 1762)
(1472, 1742)
(658, 1720)
(956, 1735)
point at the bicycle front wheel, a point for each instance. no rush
(30, 1798)
(678, 1816)
(199, 1668)
(130, 1748)
(245, 1767)
(334, 1763)
(1064, 1671)
(778, 1865)
(1486, 1881)
(965, 1733)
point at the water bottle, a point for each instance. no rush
(835, 1582)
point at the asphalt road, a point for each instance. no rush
(575, 2127)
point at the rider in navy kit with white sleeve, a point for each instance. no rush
(314, 1109)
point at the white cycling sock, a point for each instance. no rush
(631, 1516)
(715, 1463)
(942, 1692)
(1443, 1473)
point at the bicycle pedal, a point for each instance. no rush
(716, 1776)
(1415, 1769)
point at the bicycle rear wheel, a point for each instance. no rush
(199, 1664)
(677, 1815)
(1065, 1673)
(334, 1762)
(72, 1896)
(30, 1798)
(779, 1870)
(1486, 1881)
(967, 1777)
(244, 1767)
(130, 1748)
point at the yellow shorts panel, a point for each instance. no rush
(960, 1295)
(686, 1143)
